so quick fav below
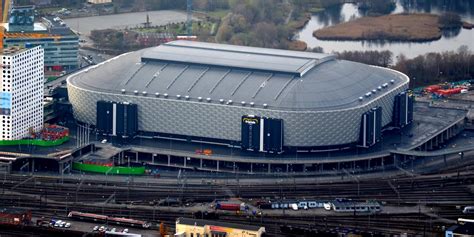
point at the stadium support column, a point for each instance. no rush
(169, 160)
(200, 163)
(251, 168)
(136, 156)
(218, 165)
(269, 168)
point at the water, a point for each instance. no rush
(450, 41)
(85, 25)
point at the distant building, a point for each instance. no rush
(99, 1)
(59, 42)
(21, 92)
(186, 227)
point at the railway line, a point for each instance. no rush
(440, 193)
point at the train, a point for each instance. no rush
(111, 220)
(231, 206)
(337, 205)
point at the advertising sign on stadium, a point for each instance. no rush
(249, 120)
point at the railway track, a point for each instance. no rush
(53, 196)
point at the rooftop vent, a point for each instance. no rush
(361, 98)
(243, 103)
(157, 94)
(374, 91)
(252, 104)
(385, 85)
(368, 94)
(178, 96)
(229, 102)
(123, 91)
(199, 98)
(144, 93)
(208, 99)
(221, 101)
(392, 81)
(136, 92)
(165, 95)
(187, 97)
(265, 105)
(379, 88)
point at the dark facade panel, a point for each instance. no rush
(273, 135)
(378, 123)
(403, 110)
(117, 119)
(371, 127)
(120, 129)
(104, 117)
(410, 109)
(250, 133)
(131, 120)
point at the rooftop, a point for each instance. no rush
(12, 50)
(37, 27)
(48, 25)
(236, 57)
(202, 223)
(246, 76)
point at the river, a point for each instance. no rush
(450, 41)
(85, 25)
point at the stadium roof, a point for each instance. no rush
(236, 57)
(279, 79)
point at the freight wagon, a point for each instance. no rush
(13, 216)
(231, 206)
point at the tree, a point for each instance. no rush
(450, 20)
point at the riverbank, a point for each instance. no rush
(399, 27)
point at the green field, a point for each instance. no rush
(114, 170)
(34, 142)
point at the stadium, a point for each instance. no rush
(258, 99)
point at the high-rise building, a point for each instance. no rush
(21, 92)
